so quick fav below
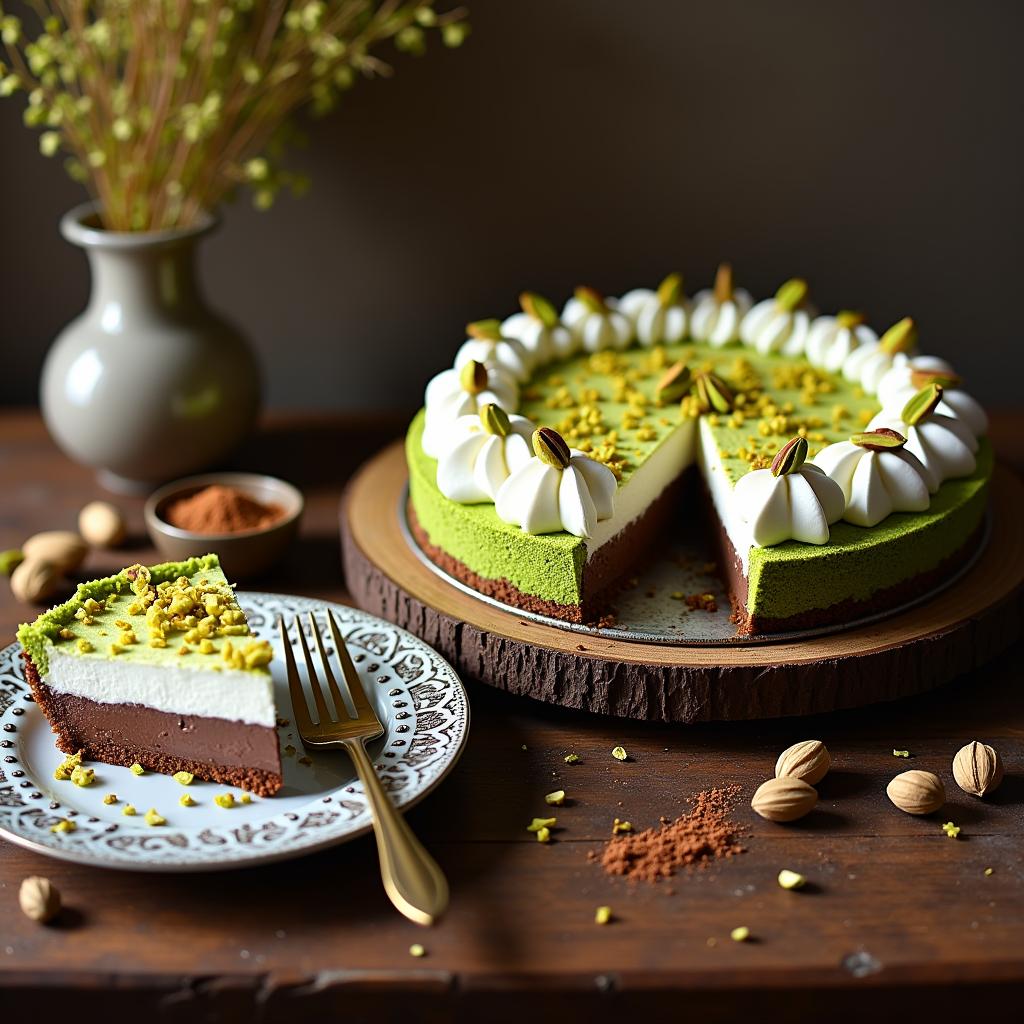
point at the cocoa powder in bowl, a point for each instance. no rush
(218, 509)
(701, 835)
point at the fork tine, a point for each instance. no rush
(314, 683)
(355, 685)
(300, 709)
(339, 701)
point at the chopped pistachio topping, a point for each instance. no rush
(63, 771)
(880, 440)
(951, 830)
(64, 825)
(129, 811)
(494, 420)
(790, 457)
(224, 800)
(84, 647)
(245, 799)
(110, 798)
(185, 778)
(618, 827)
(791, 294)
(487, 330)
(723, 283)
(850, 318)
(417, 950)
(186, 800)
(555, 799)
(549, 446)
(619, 753)
(791, 879)
(602, 915)
(83, 776)
(536, 306)
(922, 405)
(538, 823)
(473, 377)
(901, 337)
(544, 835)
(900, 753)
(137, 769)
(154, 817)
(591, 298)
(571, 758)
(988, 871)
(740, 934)
(66, 634)
(670, 290)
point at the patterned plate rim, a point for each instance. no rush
(294, 840)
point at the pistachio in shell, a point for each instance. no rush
(591, 298)
(784, 799)
(808, 760)
(670, 290)
(713, 394)
(494, 420)
(850, 318)
(884, 439)
(791, 294)
(723, 283)
(901, 337)
(539, 308)
(978, 768)
(485, 330)
(675, 382)
(549, 446)
(944, 378)
(917, 792)
(922, 405)
(473, 377)
(790, 457)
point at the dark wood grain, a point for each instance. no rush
(891, 894)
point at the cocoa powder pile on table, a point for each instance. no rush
(700, 836)
(219, 509)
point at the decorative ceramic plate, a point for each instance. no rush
(417, 695)
(653, 607)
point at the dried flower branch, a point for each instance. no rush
(164, 108)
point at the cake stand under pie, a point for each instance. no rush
(909, 652)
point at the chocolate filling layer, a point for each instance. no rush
(234, 753)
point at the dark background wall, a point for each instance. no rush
(873, 147)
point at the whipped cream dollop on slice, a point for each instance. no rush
(719, 311)
(869, 363)
(944, 446)
(831, 339)
(793, 500)
(779, 324)
(907, 376)
(486, 344)
(539, 330)
(659, 317)
(558, 489)
(877, 474)
(455, 393)
(596, 324)
(481, 452)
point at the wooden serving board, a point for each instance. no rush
(916, 650)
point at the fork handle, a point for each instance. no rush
(413, 881)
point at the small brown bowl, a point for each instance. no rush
(244, 554)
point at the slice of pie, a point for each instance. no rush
(158, 666)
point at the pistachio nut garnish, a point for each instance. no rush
(473, 377)
(494, 420)
(881, 440)
(901, 337)
(670, 290)
(713, 393)
(550, 447)
(675, 382)
(723, 283)
(790, 457)
(850, 318)
(539, 308)
(945, 379)
(922, 405)
(487, 330)
(591, 298)
(791, 294)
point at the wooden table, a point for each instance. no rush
(898, 918)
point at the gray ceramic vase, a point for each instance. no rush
(148, 383)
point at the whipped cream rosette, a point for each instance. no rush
(908, 375)
(486, 344)
(718, 312)
(558, 489)
(869, 363)
(596, 324)
(659, 317)
(481, 452)
(877, 474)
(538, 329)
(945, 446)
(779, 324)
(462, 392)
(793, 500)
(831, 339)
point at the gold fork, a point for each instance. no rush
(413, 881)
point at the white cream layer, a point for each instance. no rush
(237, 696)
(722, 491)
